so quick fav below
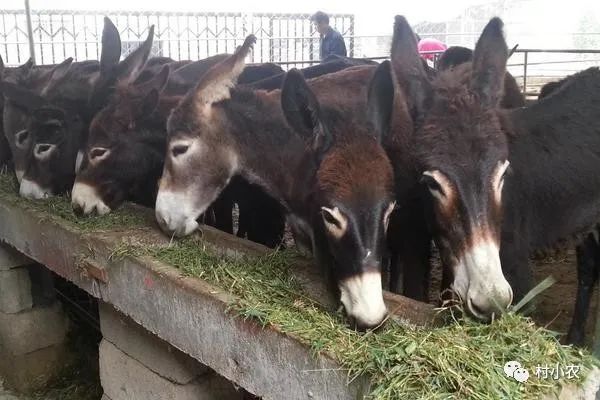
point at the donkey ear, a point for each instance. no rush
(57, 75)
(489, 64)
(381, 99)
(214, 86)
(303, 112)
(408, 67)
(21, 96)
(192, 72)
(111, 47)
(158, 82)
(130, 68)
(1, 68)
(22, 71)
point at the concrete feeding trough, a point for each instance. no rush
(187, 312)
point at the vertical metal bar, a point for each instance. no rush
(74, 35)
(525, 58)
(271, 40)
(52, 51)
(5, 36)
(206, 30)
(62, 35)
(41, 38)
(97, 37)
(351, 31)
(29, 31)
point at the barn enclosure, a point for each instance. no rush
(104, 299)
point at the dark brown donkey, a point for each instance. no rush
(453, 166)
(465, 143)
(28, 79)
(124, 154)
(332, 177)
(55, 127)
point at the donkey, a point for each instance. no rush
(323, 165)
(456, 147)
(55, 127)
(331, 65)
(28, 78)
(5, 154)
(465, 143)
(124, 154)
(125, 150)
(588, 254)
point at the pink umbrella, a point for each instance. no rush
(430, 44)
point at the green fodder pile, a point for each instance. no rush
(462, 360)
(60, 207)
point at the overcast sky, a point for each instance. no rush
(373, 17)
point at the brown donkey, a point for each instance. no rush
(332, 176)
(451, 169)
(486, 228)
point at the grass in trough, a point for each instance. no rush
(462, 360)
(60, 207)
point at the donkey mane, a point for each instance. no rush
(456, 105)
(352, 167)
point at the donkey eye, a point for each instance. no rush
(97, 153)
(432, 185)
(335, 222)
(179, 149)
(330, 219)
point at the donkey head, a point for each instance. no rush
(200, 161)
(463, 158)
(23, 91)
(352, 198)
(125, 147)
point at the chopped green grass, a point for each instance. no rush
(462, 360)
(122, 218)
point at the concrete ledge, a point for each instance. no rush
(15, 290)
(34, 329)
(145, 347)
(187, 312)
(124, 378)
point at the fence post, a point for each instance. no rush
(29, 31)
(525, 73)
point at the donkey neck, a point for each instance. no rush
(271, 154)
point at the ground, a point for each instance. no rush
(5, 394)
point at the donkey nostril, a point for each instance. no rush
(42, 148)
(477, 310)
(77, 210)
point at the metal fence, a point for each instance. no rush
(58, 34)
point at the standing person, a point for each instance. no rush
(332, 42)
(427, 46)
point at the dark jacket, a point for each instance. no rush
(332, 43)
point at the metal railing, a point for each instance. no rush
(58, 34)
